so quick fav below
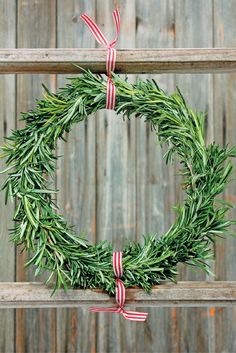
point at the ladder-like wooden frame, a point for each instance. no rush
(130, 61)
(60, 61)
(187, 294)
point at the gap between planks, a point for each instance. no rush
(128, 61)
(184, 294)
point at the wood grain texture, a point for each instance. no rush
(36, 295)
(7, 122)
(154, 179)
(76, 179)
(36, 21)
(194, 29)
(224, 127)
(130, 61)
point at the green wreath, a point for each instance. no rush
(70, 259)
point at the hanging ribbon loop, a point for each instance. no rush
(120, 294)
(111, 52)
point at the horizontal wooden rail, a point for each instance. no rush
(186, 294)
(128, 61)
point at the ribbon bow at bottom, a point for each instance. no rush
(120, 294)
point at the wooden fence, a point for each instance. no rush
(112, 179)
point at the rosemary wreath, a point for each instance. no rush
(70, 258)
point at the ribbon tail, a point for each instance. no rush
(95, 30)
(116, 18)
(135, 315)
(108, 310)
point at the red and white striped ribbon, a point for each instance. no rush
(120, 294)
(111, 53)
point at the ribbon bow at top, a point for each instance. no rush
(120, 294)
(111, 52)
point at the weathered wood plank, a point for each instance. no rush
(76, 178)
(155, 29)
(224, 128)
(36, 21)
(199, 60)
(194, 28)
(37, 295)
(7, 122)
